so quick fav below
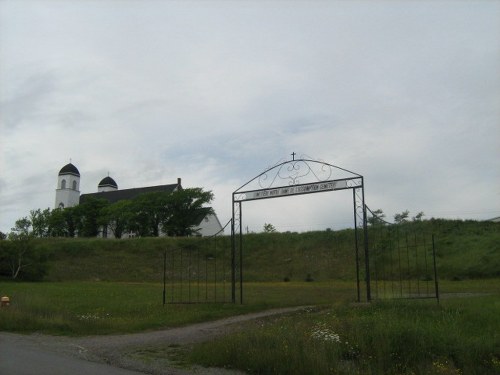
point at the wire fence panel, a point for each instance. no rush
(199, 271)
(402, 260)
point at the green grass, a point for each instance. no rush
(465, 249)
(459, 336)
(82, 308)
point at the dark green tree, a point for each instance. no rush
(72, 220)
(402, 217)
(117, 217)
(40, 222)
(57, 223)
(22, 259)
(419, 216)
(377, 218)
(148, 211)
(269, 228)
(184, 210)
(88, 216)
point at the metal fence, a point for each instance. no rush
(402, 260)
(198, 271)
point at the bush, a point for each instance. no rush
(20, 259)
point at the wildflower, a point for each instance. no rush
(323, 333)
(91, 317)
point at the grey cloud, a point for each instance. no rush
(26, 100)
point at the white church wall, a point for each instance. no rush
(209, 226)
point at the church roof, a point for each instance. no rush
(69, 169)
(119, 195)
(108, 181)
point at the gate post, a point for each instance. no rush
(361, 222)
(236, 230)
(365, 236)
(233, 260)
(356, 244)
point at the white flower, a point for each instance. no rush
(90, 317)
(323, 333)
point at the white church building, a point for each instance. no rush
(68, 195)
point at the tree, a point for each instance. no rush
(419, 216)
(40, 222)
(184, 210)
(88, 216)
(23, 260)
(57, 223)
(269, 228)
(72, 220)
(148, 211)
(117, 217)
(377, 218)
(402, 217)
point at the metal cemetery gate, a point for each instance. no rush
(392, 261)
(298, 177)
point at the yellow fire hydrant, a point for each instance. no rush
(4, 301)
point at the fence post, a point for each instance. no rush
(436, 283)
(164, 276)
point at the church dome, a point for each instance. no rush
(108, 182)
(69, 169)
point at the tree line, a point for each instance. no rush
(378, 217)
(151, 214)
(147, 215)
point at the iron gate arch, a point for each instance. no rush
(298, 177)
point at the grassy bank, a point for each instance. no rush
(465, 249)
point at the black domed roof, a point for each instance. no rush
(108, 181)
(69, 169)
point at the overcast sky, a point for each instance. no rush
(405, 93)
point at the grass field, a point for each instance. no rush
(81, 308)
(460, 335)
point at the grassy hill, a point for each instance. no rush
(465, 249)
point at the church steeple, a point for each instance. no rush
(68, 187)
(107, 184)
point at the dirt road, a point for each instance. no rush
(115, 350)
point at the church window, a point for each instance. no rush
(63, 184)
(74, 185)
(61, 205)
